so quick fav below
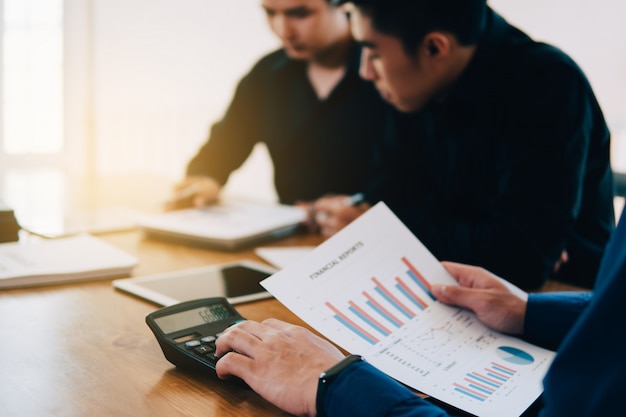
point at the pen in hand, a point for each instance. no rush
(350, 201)
(354, 199)
(334, 212)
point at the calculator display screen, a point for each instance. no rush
(191, 318)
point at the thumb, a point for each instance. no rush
(453, 294)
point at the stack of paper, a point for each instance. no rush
(55, 261)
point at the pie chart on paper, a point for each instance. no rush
(514, 355)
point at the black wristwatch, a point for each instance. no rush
(327, 377)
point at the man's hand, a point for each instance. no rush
(280, 361)
(333, 213)
(486, 295)
(309, 223)
(195, 191)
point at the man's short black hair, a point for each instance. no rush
(411, 20)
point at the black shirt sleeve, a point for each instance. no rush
(232, 139)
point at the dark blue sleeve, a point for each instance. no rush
(588, 375)
(550, 316)
(362, 390)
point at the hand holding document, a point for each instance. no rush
(368, 289)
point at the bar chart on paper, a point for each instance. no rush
(368, 289)
(383, 308)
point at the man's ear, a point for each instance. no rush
(436, 45)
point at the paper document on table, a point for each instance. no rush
(281, 257)
(55, 224)
(61, 260)
(368, 290)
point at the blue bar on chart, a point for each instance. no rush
(351, 325)
(384, 307)
(366, 317)
(392, 299)
(482, 384)
(385, 313)
(410, 294)
(418, 278)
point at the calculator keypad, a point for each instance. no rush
(204, 347)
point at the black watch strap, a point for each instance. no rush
(327, 377)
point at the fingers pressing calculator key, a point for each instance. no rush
(187, 331)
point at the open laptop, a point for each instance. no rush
(228, 225)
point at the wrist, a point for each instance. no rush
(327, 377)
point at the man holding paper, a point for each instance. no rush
(305, 375)
(500, 155)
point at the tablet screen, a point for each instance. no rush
(238, 282)
(241, 280)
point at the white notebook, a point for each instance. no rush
(228, 225)
(77, 258)
(55, 224)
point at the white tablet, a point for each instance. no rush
(237, 281)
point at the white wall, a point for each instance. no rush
(164, 71)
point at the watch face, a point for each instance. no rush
(192, 318)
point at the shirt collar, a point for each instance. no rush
(285, 63)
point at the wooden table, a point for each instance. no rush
(84, 349)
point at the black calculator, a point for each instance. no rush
(187, 331)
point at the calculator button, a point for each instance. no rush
(208, 339)
(211, 357)
(204, 349)
(192, 344)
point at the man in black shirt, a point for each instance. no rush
(501, 155)
(306, 102)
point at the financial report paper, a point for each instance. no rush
(368, 290)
